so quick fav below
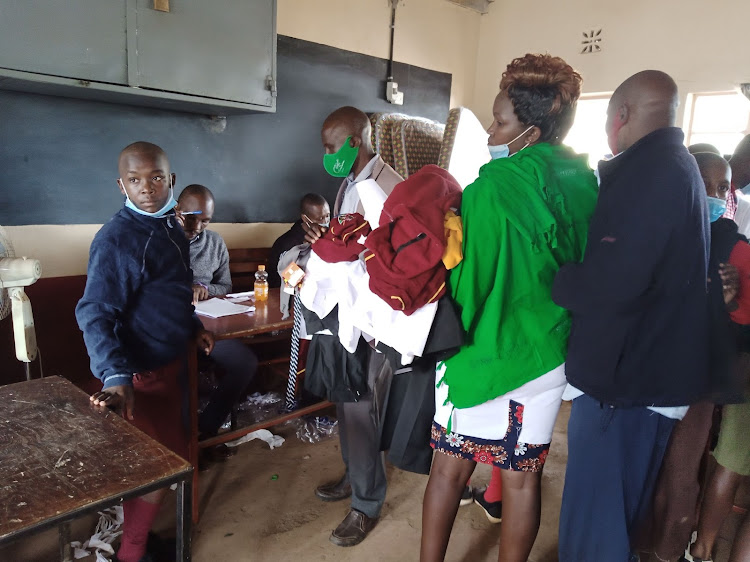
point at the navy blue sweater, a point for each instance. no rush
(639, 304)
(136, 313)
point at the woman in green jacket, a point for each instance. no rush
(526, 214)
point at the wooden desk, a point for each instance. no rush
(265, 319)
(59, 460)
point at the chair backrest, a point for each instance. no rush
(416, 143)
(464, 148)
(243, 263)
(382, 141)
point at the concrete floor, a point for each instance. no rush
(248, 515)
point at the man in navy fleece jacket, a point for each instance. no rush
(137, 318)
(638, 347)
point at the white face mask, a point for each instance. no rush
(168, 206)
(503, 150)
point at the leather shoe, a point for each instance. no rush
(335, 491)
(353, 529)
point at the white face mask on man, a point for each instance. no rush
(168, 206)
(503, 150)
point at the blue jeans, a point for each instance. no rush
(614, 457)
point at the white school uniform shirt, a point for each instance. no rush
(351, 197)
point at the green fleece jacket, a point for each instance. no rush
(523, 218)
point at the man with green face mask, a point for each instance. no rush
(349, 155)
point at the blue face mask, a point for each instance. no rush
(716, 208)
(503, 150)
(168, 206)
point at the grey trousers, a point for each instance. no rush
(360, 425)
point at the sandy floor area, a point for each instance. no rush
(246, 514)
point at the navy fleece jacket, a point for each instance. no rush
(639, 298)
(136, 313)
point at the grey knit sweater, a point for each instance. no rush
(209, 260)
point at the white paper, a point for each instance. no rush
(246, 294)
(372, 198)
(216, 308)
(272, 440)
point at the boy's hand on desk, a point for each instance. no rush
(200, 293)
(116, 397)
(205, 341)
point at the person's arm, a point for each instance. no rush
(112, 280)
(618, 268)
(740, 259)
(221, 283)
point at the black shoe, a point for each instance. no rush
(467, 498)
(161, 549)
(353, 529)
(493, 510)
(335, 491)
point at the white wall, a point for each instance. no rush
(703, 45)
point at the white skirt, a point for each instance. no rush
(540, 397)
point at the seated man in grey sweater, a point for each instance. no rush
(209, 260)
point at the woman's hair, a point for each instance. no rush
(544, 91)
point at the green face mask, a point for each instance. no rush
(340, 164)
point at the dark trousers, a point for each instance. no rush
(239, 364)
(360, 425)
(614, 456)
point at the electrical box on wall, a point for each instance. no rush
(393, 95)
(215, 57)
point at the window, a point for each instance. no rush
(720, 119)
(587, 136)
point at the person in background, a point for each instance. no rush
(527, 214)
(137, 319)
(236, 362)
(673, 516)
(349, 155)
(638, 352)
(209, 257)
(703, 147)
(740, 164)
(314, 209)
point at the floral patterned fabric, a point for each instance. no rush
(507, 453)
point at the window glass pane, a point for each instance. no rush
(723, 113)
(587, 136)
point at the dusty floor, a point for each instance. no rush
(248, 516)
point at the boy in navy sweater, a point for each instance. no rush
(137, 318)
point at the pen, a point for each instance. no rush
(191, 212)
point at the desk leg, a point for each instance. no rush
(184, 519)
(193, 405)
(64, 535)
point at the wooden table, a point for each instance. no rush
(265, 319)
(59, 460)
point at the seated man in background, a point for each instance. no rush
(313, 208)
(209, 260)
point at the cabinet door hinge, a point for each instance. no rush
(271, 86)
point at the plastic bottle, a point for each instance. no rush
(261, 284)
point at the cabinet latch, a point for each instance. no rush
(271, 86)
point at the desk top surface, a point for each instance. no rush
(265, 319)
(58, 456)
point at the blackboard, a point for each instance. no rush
(58, 155)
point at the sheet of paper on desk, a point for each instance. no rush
(216, 308)
(241, 297)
